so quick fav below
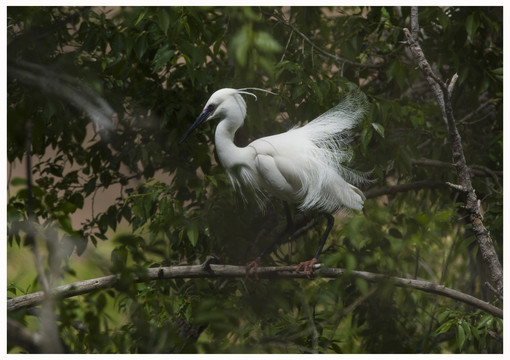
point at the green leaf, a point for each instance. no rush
(164, 20)
(472, 24)
(362, 285)
(486, 321)
(461, 336)
(366, 136)
(444, 328)
(66, 207)
(378, 128)
(443, 19)
(241, 44)
(78, 200)
(81, 244)
(141, 16)
(140, 46)
(90, 186)
(498, 73)
(18, 181)
(441, 317)
(65, 222)
(350, 261)
(127, 240)
(162, 57)
(112, 217)
(103, 223)
(467, 329)
(119, 258)
(192, 233)
(423, 218)
(184, 22)
(443, 216)
(101, 302)
(265, 42)
(117, 43)
(13, 288)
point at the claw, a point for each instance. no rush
(307, 267)
(251, 269)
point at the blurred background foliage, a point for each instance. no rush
(107, 93)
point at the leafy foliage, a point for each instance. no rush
(153, 69)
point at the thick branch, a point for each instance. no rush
(442, 94)
(208, 270)
(415, 27)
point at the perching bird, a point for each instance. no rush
(302, 165)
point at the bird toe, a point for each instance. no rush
(251, 269)
(307, 267)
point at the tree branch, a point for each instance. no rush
(415, 27)
(48, 325)
(207, 270)
(477, 170)
(442, 94)
(321, 51)
(467, 119)
(391, 190)
(19, 335)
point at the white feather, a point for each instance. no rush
(303, 165)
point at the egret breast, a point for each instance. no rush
(278, 177)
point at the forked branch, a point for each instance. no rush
(442, 92)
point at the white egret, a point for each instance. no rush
(302, 165)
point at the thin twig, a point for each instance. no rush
(457, 187)
(494, 291)
(414, 186)
(337, 318)
(286, 46)
(495, 335)
(321, 51)
(451, 86)
(465, 119)
(477, 170)
(313, 328)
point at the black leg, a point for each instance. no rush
(253, 265)
(308, 266)
(331, 221)
(290, 225)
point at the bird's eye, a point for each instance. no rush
(211, 107)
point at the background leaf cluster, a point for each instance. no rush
(156, 67)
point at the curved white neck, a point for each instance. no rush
(229, 153)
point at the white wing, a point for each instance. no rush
(304, 165)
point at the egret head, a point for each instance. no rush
(222, 103)
(219, 104)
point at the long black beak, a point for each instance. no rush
(200, 119)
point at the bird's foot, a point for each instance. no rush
(307, 267)
(251, 269)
